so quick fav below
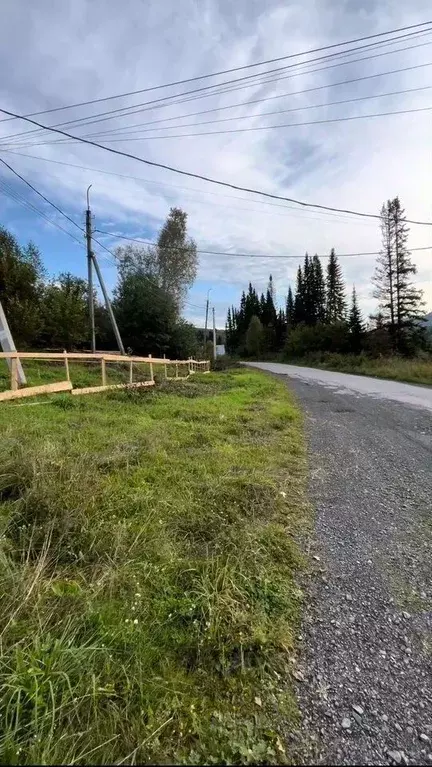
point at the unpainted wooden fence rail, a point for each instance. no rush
(15, 392)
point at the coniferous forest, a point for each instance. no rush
(320, 315)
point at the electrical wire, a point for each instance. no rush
(19, 199)
(266, 98)
(41, 195)
(225, 71)
(270, 127)
(29, 206)
(103, 116)
(339, 218)
(22, 143)
(248, 255)
(208, 179)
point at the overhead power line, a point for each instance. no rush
(229, 71)
(246, 255)
(211, 89)
(266, 98)
(19, 199)
(208, 179)
(254, 129)
(126, 132)
(21, 143)
(41, 195)
(338, 217)
(29, 206)
(271, 127)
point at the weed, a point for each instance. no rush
(148, 556)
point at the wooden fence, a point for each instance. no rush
(190, 366)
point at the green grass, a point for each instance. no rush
(149, 550)
(39, 372)
(416, 370)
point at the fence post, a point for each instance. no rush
(103, 372)
(176, 369)
(66, 365)
(130, 372)
(165, 368)
(14, 373)
(151, 369)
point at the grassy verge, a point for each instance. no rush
(83, 374)
(415, 370)
(148, 557)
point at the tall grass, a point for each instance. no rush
(412, 370)
(148, 558)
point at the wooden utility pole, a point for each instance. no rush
(7, 344)
(214, 335)
(90, 276)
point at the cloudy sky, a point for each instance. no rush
(56, 54)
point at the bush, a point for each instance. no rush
(224, 362)
(305, 339)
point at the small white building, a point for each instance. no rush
(220, 350)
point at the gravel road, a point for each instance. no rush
(365, 670)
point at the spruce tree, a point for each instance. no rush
(228, 333)
(384, 277)
(399, 302)
(308, 292)
(290, 310)
(281, 327)
(299, 307)
(355, 325)
(254, 337)
(319, 290)
(335, 298)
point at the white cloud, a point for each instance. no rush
(75, 51)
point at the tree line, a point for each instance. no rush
(152, 282)
(317, 317)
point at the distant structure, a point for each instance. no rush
(7, 344)
(220, 350)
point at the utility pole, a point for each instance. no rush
(90, 275)
(7, 344)
(214, 335)
(92, 261)
(206, 322)
(108, 305)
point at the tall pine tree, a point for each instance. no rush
(319, 290)
(299, 302)
(399, 302)
(290, 310)
(355, 325)
(335, 298)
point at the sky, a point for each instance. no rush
(59, 54)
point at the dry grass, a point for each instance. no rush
(417, 370)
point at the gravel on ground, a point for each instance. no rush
(364, 676)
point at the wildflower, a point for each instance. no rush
(282, 493)
(136, 621)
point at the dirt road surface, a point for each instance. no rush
(365, 671)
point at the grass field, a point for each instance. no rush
(415, 370)
(83, 374)
(149, 548)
